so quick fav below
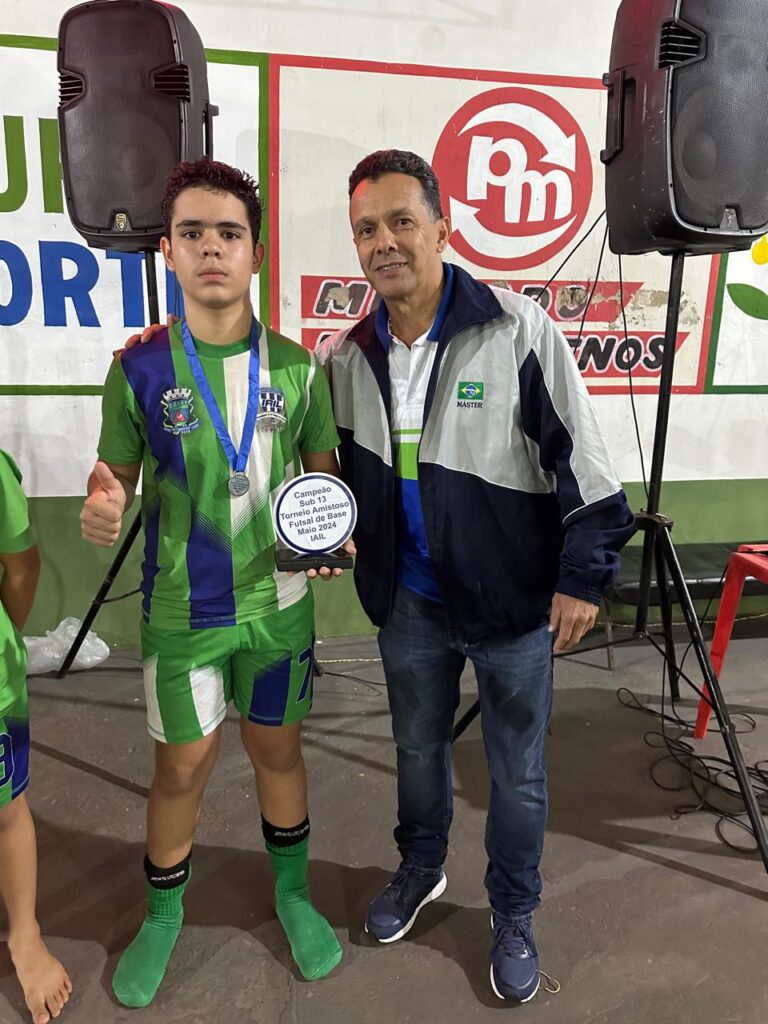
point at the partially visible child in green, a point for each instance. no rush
(45, 983)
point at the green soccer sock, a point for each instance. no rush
(143, 964)
(313, 943)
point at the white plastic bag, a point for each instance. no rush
(46, 653)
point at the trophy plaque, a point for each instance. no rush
(314, 515)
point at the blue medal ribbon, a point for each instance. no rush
(237, 459)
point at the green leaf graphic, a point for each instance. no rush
(750, 300)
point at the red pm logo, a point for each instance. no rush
(515, 172)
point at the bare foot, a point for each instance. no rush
(45, 983)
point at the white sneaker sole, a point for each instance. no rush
(438, 890)
(509, 999)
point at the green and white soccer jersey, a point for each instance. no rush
(210, 557)
(16, 535)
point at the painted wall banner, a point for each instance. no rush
(527, 182)
(601, 353)
(739, 357)
(520, 175)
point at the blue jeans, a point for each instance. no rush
(423, 661)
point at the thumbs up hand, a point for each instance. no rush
(102, 514)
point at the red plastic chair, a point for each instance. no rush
(748, 560)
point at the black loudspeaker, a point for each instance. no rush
(133, 102)
(687, 137)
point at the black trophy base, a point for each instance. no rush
(297, 561)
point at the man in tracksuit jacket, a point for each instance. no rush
(489, 520)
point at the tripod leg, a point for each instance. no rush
(150, 273)
(644, 591)
(718, 704)
(109, 579)
(660, 437)
(465, 720)
(665, 604)
(608, 626)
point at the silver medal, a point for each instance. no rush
(238, 485)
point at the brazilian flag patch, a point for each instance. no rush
(471, 392)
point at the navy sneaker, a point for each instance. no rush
(514, 959)
(394, 910)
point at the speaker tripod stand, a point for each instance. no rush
(659, 551)
(150, 272)
(659, 555)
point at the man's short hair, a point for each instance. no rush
(216, 177)
(399, 161)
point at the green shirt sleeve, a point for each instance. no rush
(318, 431)
(122, 423)
(16, 531)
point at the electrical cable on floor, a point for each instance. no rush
(370, 683)
(551, 985)
(706, 774)
(347, 661)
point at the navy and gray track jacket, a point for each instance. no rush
(517, 489)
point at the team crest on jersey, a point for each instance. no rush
(271, 414)
(180, 415)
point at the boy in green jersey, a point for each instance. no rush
(220, 412)
(45, 983)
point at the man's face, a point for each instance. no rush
(211, 248)
(398, 240)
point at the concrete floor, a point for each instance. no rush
(646, 919)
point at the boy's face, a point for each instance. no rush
(211, 248)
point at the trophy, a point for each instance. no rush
(314, 514)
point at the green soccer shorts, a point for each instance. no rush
(264, 666)
(14, 748)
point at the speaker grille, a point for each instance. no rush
(679, 45)
(174, 82)
(71, 87)
(719, 119)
